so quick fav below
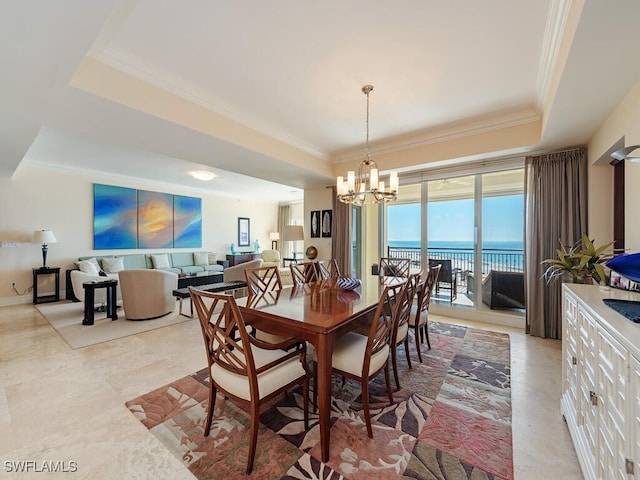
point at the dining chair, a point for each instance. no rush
(304, 272)
(328, 269)
(362, 357)
(394, 267)
(246, 370)
(400, 333)
(260, 281)
(418, 321)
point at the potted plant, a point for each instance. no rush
(582, 261)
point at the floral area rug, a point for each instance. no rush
(451, 420)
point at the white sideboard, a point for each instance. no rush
(601, 382)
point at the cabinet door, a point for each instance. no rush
(570, 357)
(612, 365)
(587, 409)
(633, 420)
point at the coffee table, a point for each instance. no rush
(183, 293)
(199, 278)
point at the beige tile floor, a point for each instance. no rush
(58, 404)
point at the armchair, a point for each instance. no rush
(147, 293)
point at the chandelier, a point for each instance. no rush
(366, 187)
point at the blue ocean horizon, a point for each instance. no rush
(457, 245)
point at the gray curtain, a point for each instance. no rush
(556, 211)
(341, 235)
(284, 218)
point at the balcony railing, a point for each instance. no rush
(462, 259)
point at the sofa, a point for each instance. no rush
(90, 268)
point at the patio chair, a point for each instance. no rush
(447, 279)
(248, 371)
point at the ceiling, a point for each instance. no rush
(267, 94)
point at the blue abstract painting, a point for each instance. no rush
(155, 219)
(187, 222)
(114, 217)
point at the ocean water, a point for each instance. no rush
(456, 245)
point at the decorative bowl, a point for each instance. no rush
(348, 283)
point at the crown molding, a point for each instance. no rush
(458, 130)
(559, 12)
(137, 68)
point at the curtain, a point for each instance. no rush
(556, 211)
(341, 235)
(284, 218)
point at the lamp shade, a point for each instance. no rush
(44, 237)
(274, 236)
(293, 233)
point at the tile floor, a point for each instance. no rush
(63, 405)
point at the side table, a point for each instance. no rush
(46, 271)
(90, 295)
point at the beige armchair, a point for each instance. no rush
(147, 293)
(271, 258)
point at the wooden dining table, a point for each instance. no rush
(318, 313)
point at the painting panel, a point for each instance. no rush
(326, 225)
(315, 223)
(114, 217)
(187, 222)
(155, 219)
(244, 232)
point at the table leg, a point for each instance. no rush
(89, 297)
(111, 295)
(324, 352)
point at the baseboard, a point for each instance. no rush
(27, 298)
(494, 316)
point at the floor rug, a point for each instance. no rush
(66, 319)
(451, 420)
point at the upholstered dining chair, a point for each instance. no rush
(394, 267)
(362, 357)
(259, 281)
(304, 272)
(246, 370)
(328, 269)
(400, 334)
(418, 320)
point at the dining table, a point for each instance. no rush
(318, 313)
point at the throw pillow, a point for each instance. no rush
(113, 265)
(88, 267)
(200, 258)
(213, 258)
(160, 261)
(93, 260)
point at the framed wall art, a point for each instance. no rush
(315, 223)
(244, 232)
(326, 225)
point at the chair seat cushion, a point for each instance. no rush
(268, 381)
(349, 351)
(414, 314)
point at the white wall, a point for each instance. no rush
(38, 198)
(317, 199)
(624, 122)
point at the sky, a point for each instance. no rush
(503, 220)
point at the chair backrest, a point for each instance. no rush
(263, 279)
(226, 339)
(426, 287)
(402, 307)
(304, 272)
(328, 269)
(381, 330)
(394, 267)
(446, 269)
(271, 256)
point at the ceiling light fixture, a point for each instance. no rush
(354, 190)
(623, 154)
(203, 175)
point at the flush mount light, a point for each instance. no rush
(203, 175)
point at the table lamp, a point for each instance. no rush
(44, 237)
(293, 233)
